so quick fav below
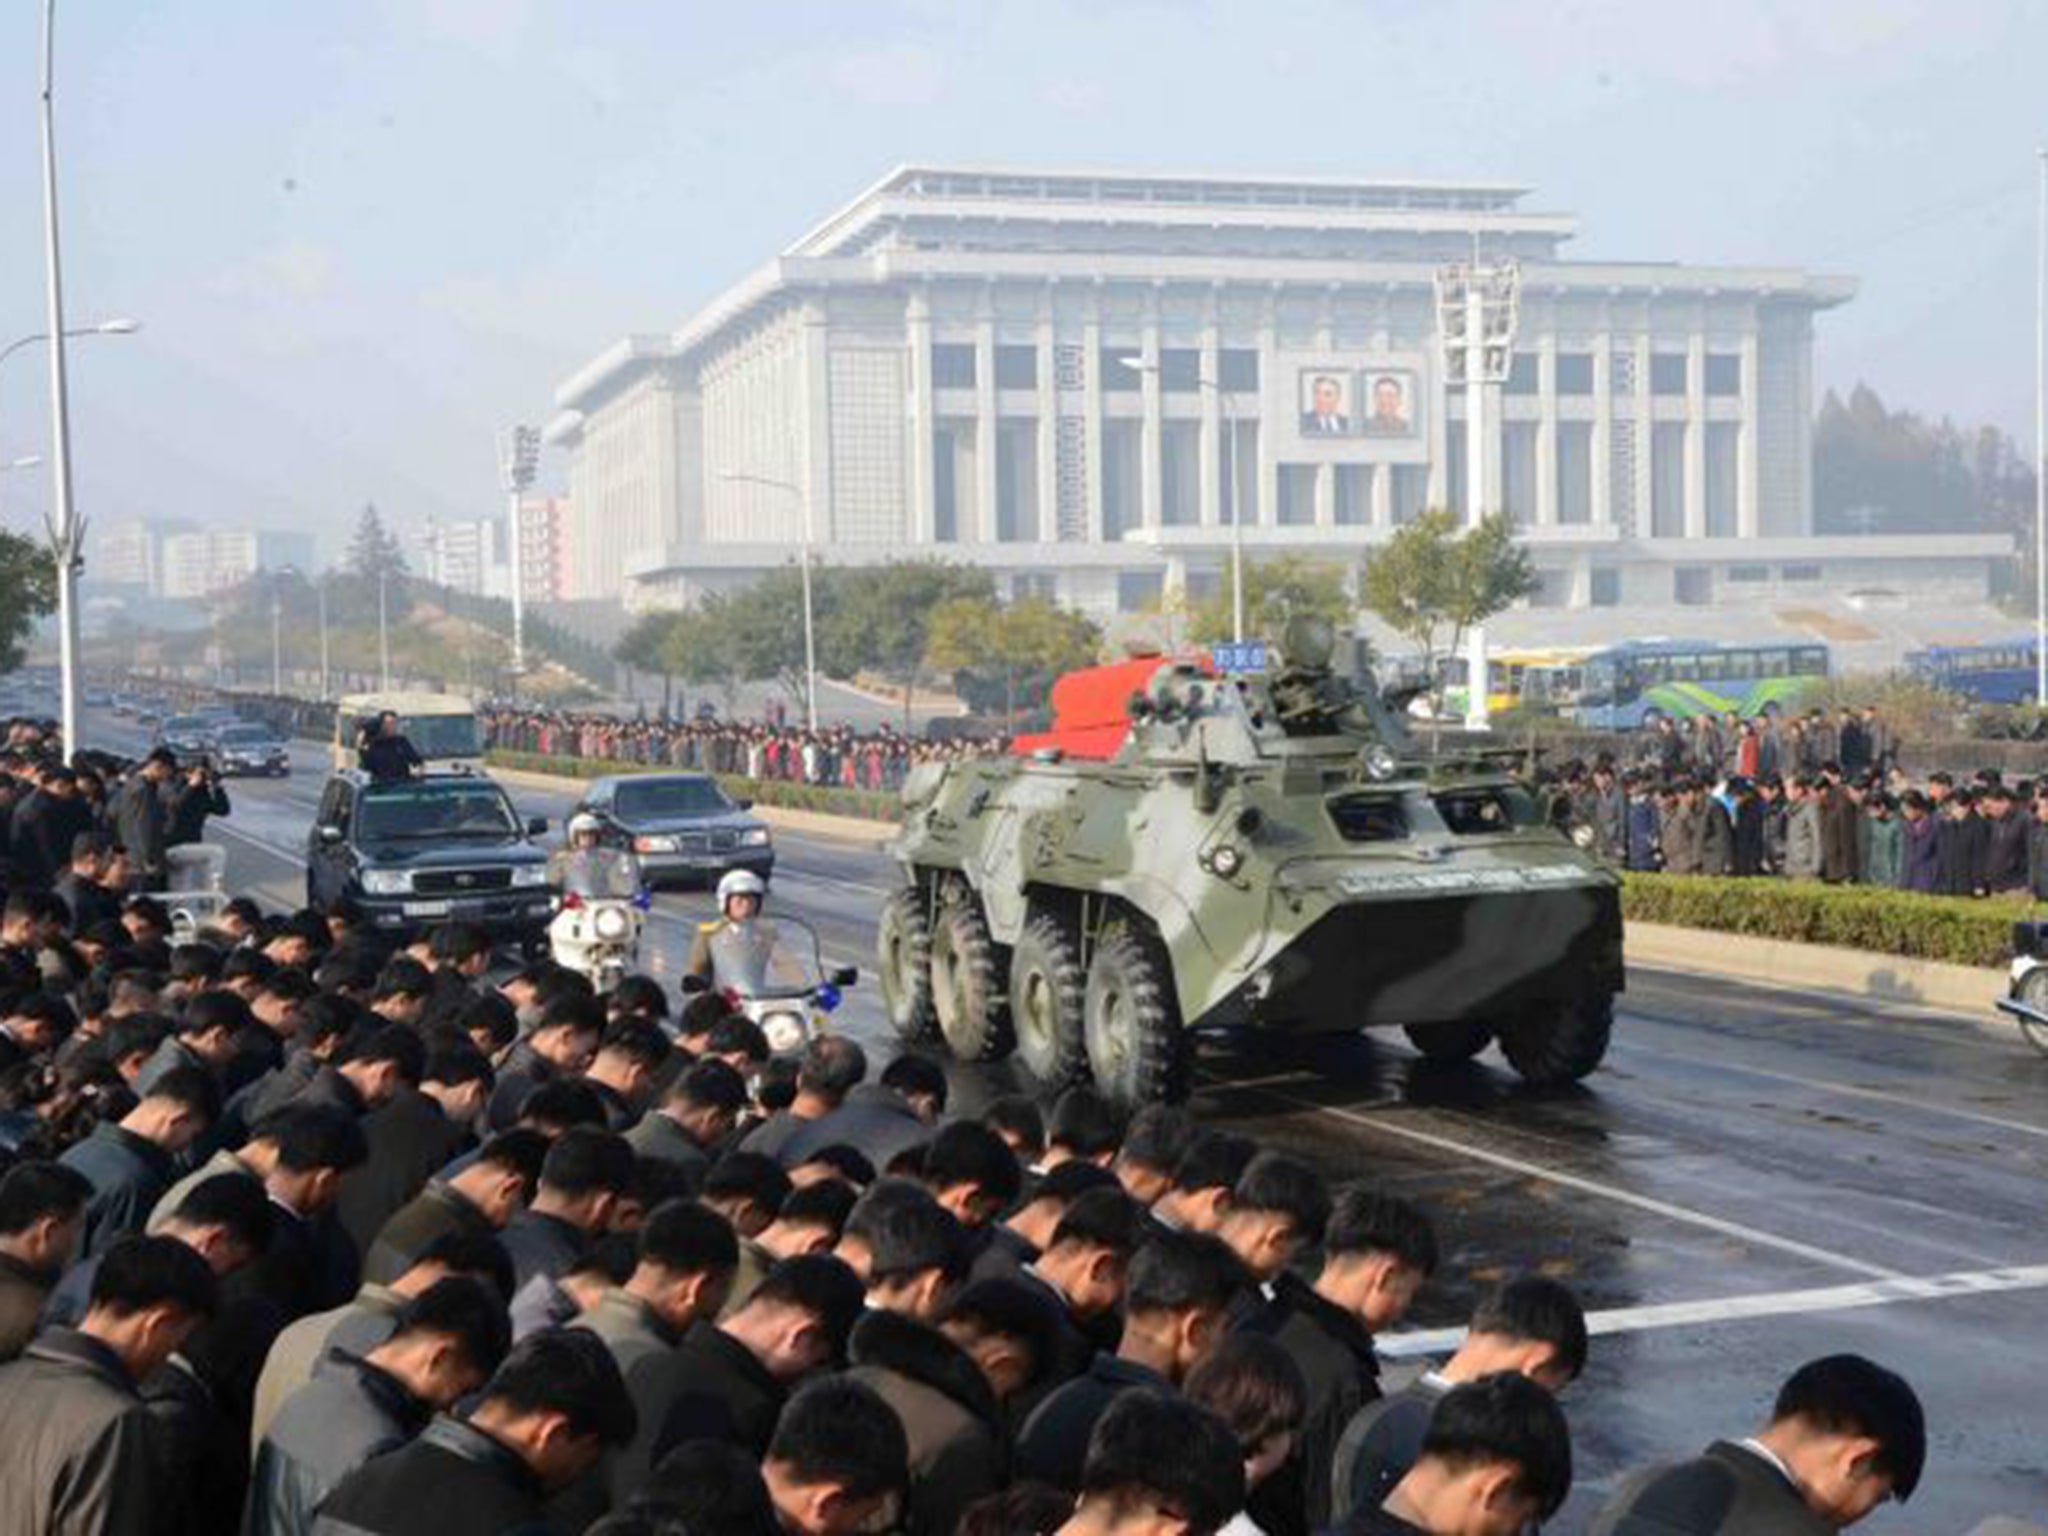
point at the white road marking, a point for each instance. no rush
(1389, 1125)
(1767, 1304)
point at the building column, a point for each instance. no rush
(984, 430)
(1439, 491)
(817, 439)
(1151, 431)
(1209, 474)
(1091, 373)
(1048, 424)
(1747, 523)
(1265, 505)
(1326, 496)
(1382, 514)
(1602, 510)
(1801, 341)
(1696, 435)
(917, 327)
(1546, 430)
(1646, 434)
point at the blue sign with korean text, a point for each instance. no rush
(1239, 656)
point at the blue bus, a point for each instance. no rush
(2000, 673)
(1627, 685)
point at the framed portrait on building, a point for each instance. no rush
(1326, 404)
(1389, 403)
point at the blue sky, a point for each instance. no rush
(361, 234)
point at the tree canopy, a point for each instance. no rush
(28, 591)
(1430, 582)
(1002, 655)
(1275, 591)
(374, 550)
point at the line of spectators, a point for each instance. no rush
(837, 756)
(306, 1234)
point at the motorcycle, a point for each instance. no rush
(598, 936)
(2026, 998)
(772, 971)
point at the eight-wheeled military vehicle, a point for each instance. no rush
(1190, 851)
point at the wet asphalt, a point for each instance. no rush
(1754, 1178)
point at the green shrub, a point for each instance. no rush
(1876, 921)
(828, 800)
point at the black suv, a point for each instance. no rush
(412, 852)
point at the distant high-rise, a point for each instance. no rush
(201, 562)
(1079, 380)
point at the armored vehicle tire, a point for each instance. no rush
(1047, 986)
(1458, 1040)
(966, 983)
(903, 957)
(1136, 1047)
(1559, 1044)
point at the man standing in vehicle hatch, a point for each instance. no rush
(740, 897)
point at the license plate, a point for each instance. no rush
(429, 908)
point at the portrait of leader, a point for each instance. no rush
(1390, 408)
(1325, 403)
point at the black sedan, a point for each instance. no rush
(248, 748)
(681, 826)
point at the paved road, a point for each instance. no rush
(1754, 1178)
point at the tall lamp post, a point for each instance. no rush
(1230, 502)
(2041, 434)
(383, 634)
(518, 459)
(810, 626)
(320, 587)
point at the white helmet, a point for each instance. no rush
(740, 882)
(581, 823)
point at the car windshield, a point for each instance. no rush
(670, 797)
(419, 812)
(186, 723)
(246, 735)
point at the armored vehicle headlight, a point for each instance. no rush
(1379, 762)
(1583, 836)
(1225, 860)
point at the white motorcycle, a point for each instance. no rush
(2026, 999)
(774, 974)
(598, 936)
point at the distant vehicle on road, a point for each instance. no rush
(681, 826)
(189, 737)
(411, 852)
(249, 748)
(1627, 686)
(441, 726)
(2001, 673)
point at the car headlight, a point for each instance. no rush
(387, 882)
(611, 924)
(654, 844)
(754, 837)
(528, 876)
(786, 1031)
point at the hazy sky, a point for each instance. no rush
(360, 234)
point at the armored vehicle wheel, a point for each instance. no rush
(966, 983)
(1047, 986)
(1559, 1044)
(1136, 1047)
(903, 955)
(1459, 1040)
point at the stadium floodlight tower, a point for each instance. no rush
(518, 461)
(1477, 306)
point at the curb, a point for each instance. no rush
(857, 830)
(1929, 984)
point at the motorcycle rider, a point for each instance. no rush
(585, 867)
(741, 894)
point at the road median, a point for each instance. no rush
(1930, 984)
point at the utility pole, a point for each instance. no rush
(518, 459)
(2041, 433)
(1478, 305)
(321, 588)
(67, 531)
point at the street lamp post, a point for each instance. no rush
(383, 635)
(1230, 501)
(518, 459)
(321, 588)
(810, 626)
(276, 641)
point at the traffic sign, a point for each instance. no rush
(1239, 656)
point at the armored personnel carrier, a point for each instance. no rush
(1188, 851)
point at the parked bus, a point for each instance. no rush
(441, 726)
(1513, 678)
(1628, 685)
(2001, 673)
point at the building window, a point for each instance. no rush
(1016, 367)
(1749, 573)
(1121, 466)
(1297, 495)
(952, 365)
(1724, 373)
(1692, 586)
(1667, 373)
(1017, 481)
(1574, 473)
(1518, 471)
(1722, 472)
(1799, 573)
(1180, 370)
(1042, 586)
(1522, 372)
(1203, 586)
(1139, 591)
(1411, 491)
(1667, 480)
(1553, 590)
(1238, 369)
(950, 444)
(1354, 494)
(1180, 474)
(1575, 373)
(1604, 590)
(1118, 376)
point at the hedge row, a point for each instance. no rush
(869, 805)
(1954, 929)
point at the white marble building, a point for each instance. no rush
(1078, 380)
